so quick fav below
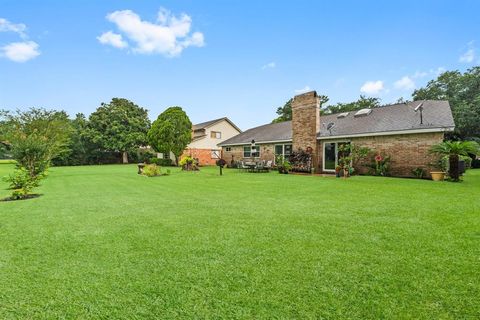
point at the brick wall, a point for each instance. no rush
(204, 156)
(306, 122)
(267, 153)
(407, 151)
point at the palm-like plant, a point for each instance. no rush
(453, 149)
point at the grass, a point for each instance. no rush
(103, 242)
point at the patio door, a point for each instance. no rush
(331, 154)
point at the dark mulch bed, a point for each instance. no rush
(30, 196)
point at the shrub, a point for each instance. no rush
(476, 163)
(162, 162)
(22, 183)
(468, 161)
(188, 163)
(300, 161)
(380, 165)
(151, 170)
(419, 173)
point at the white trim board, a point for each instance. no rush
(256, 142)
(387, 133)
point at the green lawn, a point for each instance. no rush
(103, 242)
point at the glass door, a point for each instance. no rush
(329, 156)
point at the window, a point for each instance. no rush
(228, 149)
(247, 152)
(283, 150)
(166, 155)
(215, 134)
(215, 154)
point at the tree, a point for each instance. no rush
(119, 126)
(454, 149)
(172, 131)
(285, 112)
(35, 137)
(362, 103)
(463, 93)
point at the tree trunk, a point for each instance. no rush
(125, 157)
(176, 160)
(453, 170)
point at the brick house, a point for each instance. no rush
(205, 139)
(403, 131)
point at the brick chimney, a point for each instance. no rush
(306, 123)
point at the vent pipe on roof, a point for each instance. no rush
(420, 108)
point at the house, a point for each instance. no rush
(205, 139)
(403, 131)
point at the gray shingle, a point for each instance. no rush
(269, 132)
(396, 117)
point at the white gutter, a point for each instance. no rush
(387, 133)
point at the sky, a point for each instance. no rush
(240, 59)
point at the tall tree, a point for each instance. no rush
(119, 126)
(172, 131)
(285, 112)
(35, 137)
(362, 103)
(462, 90)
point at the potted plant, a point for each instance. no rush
(453, 149)
(338, 169)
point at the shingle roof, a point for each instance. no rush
(269, 132)
(206, 124)
(396, 117)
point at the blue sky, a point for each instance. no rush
(239, 59)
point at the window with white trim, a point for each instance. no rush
(216, 134)
(228, 149)
(247, 152)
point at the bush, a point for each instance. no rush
(419, 173)
(146, 156)
(162, 162)
(188, 163)
(476, 163)
(22, 183)
(468, 161)
(380, 165)
(151, 170)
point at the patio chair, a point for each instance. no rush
(268, 166)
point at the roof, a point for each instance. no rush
(390, 119)
(207, 124)
(281, 131)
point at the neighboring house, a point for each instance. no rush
(205, 139)
(405, 132)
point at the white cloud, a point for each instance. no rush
(269, 65)
(7, 26)
(405, 83)
(372, 87)
(303, 90)
(112, 39)
(469, 55)
(20, 51)
(169, 35)
(419, 74)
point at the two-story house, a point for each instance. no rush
(205, 139)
